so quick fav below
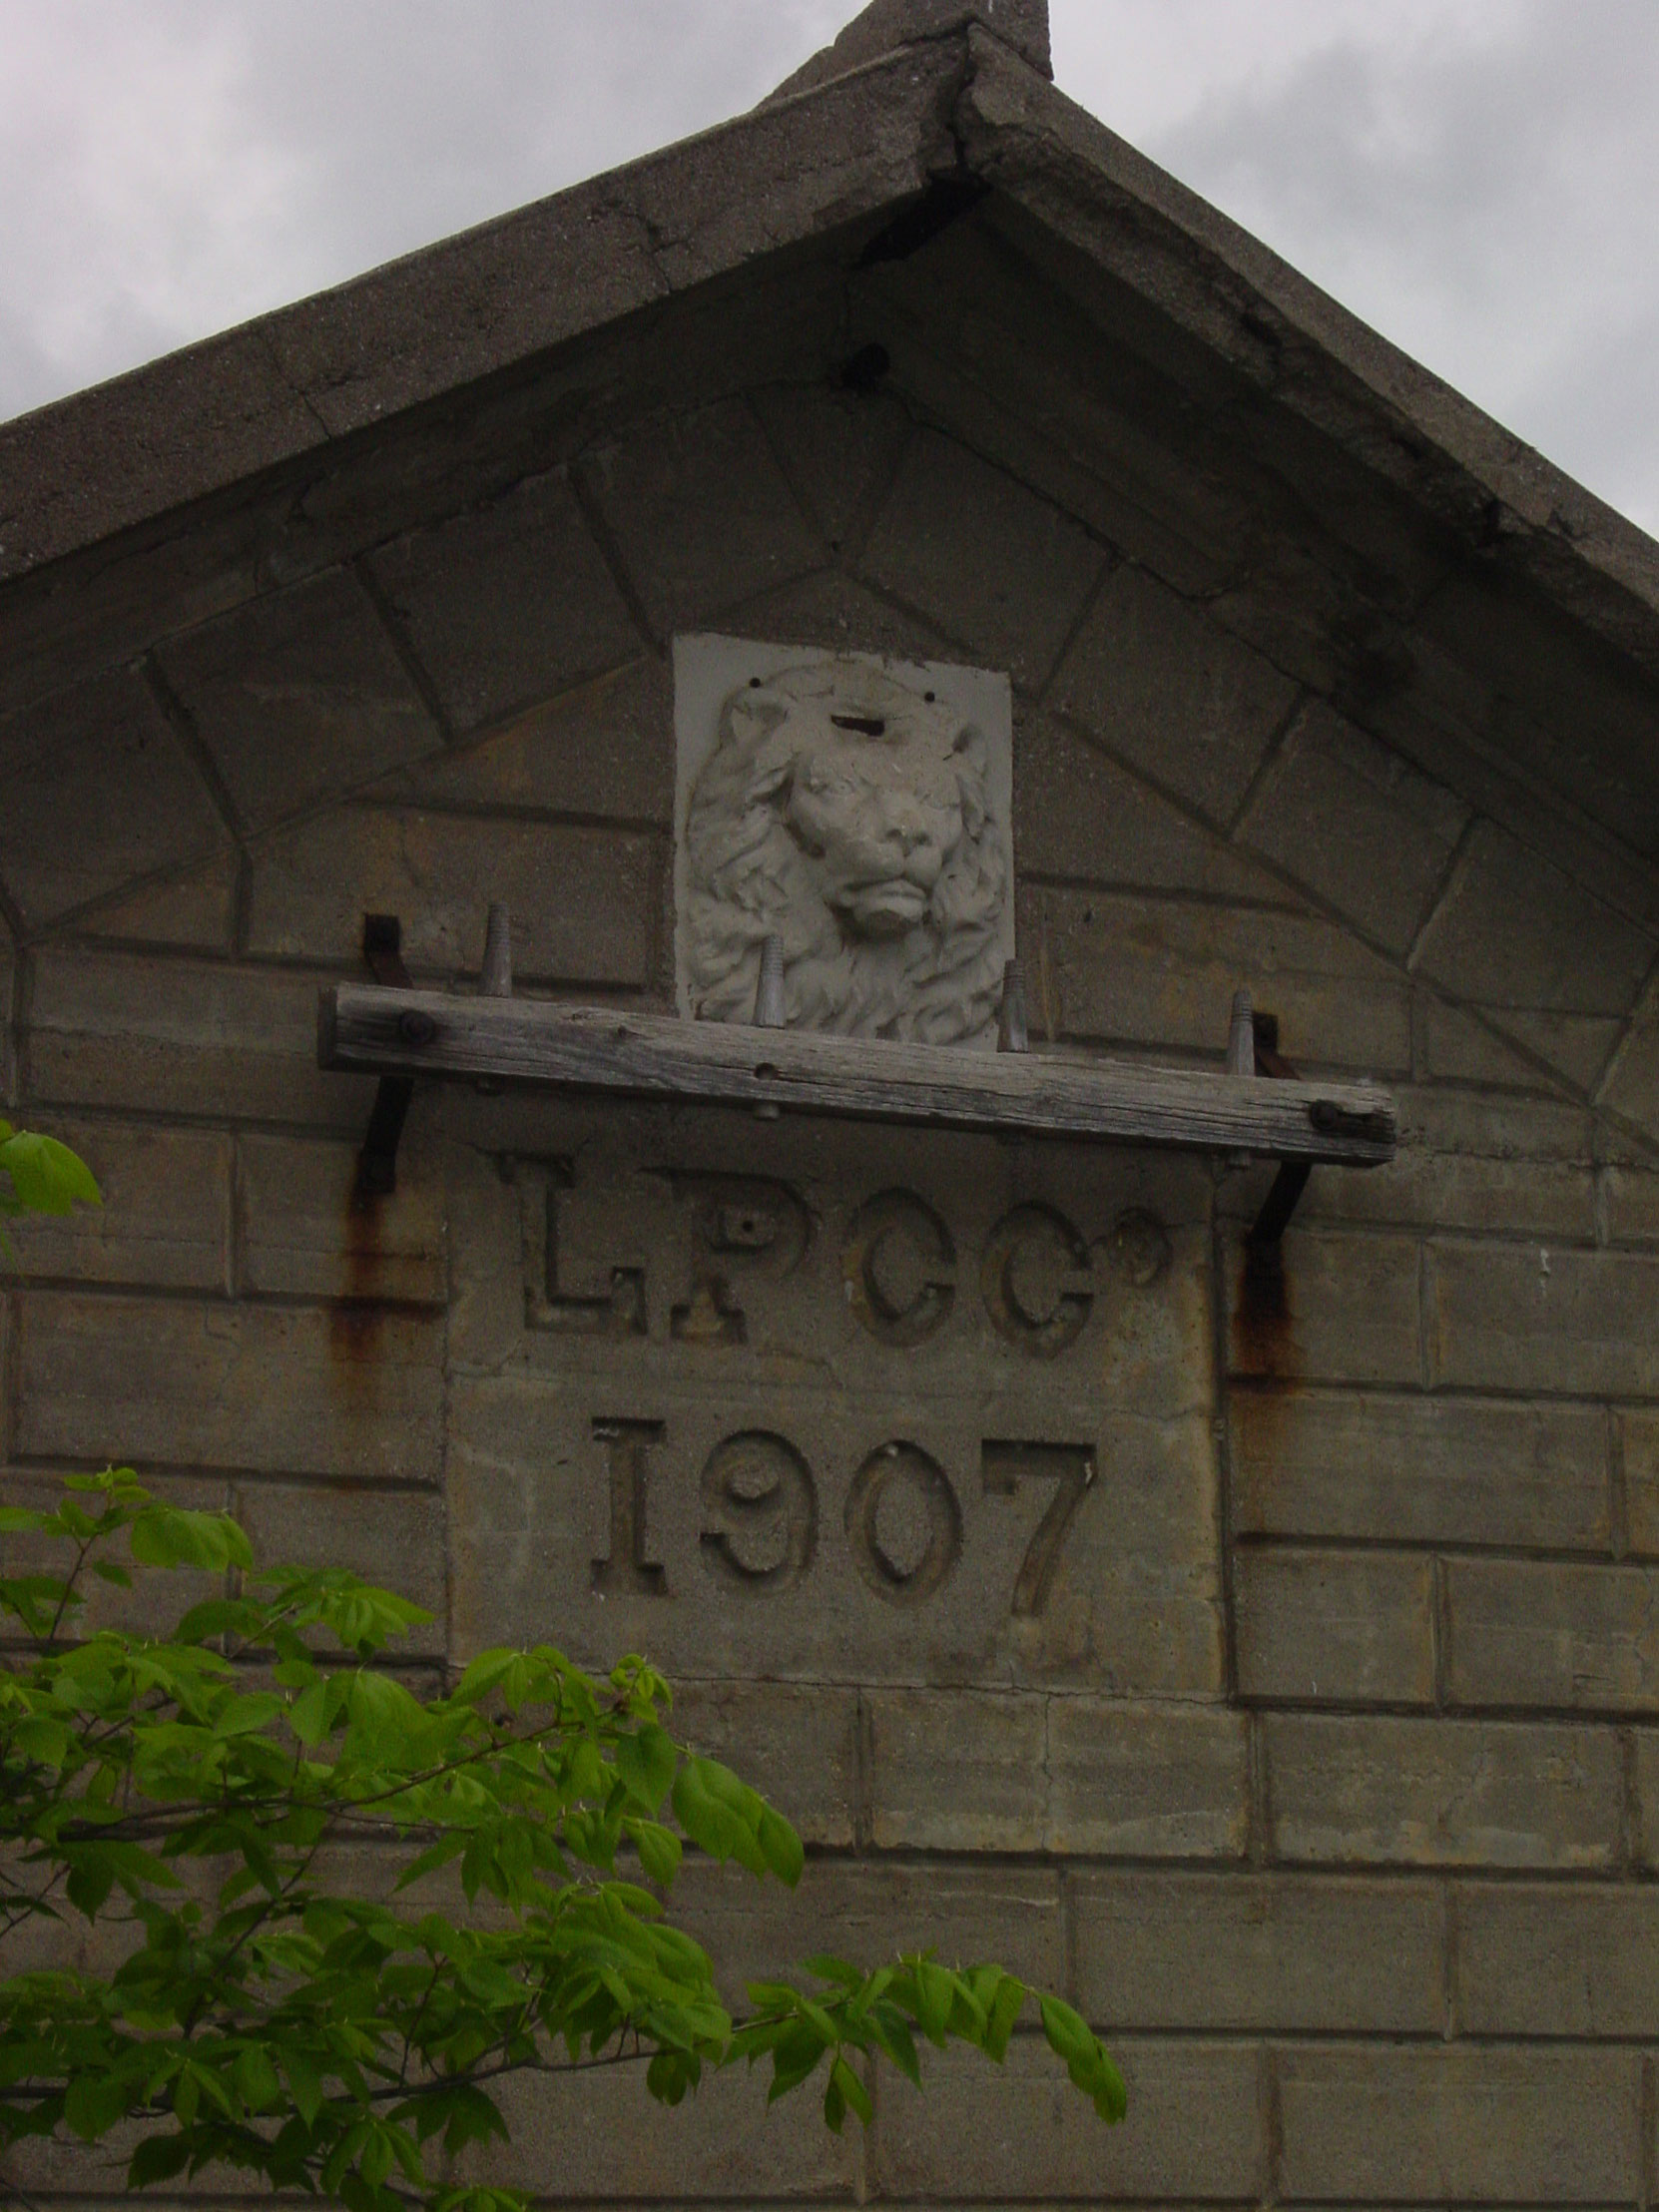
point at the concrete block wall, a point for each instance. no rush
(1328, 1783)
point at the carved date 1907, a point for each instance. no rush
(903, 1520)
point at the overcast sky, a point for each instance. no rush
(1480, 178)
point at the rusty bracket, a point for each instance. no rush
(1292, 1179)
(378, 1161)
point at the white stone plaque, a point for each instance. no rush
(860, 809)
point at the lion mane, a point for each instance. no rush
(747, 875)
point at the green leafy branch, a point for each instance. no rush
(243, 1802)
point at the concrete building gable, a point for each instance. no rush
(1316, 1760)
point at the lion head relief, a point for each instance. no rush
(850, 814)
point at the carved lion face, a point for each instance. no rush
(879, 810)
(848, 814)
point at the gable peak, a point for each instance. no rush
(888, 25)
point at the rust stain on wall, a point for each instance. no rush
(356, 1318)
(1264, 1321)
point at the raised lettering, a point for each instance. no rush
(900, 1269)
(743, 1227)
(620, 1312)
(903, 1523)
(761, 1512)
(630, 1570)
(1071, 1467)
(1035, 1280)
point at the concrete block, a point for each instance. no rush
(298, 696)
(1421, 1469)
(1163, 688)
(98, 790)
(305, 1232)
(393, 1538)
(1531, 1634)
(700, 513)
(183, 1036)
(1362, 828)
(1069, 417)
(1443, 1793)
(797, 1744)
(1518, 1132)
(597, 2136)
(8, 1028)
(1146, 1781)
(195, 910)
(1632, 1083)
(1631, 1195)
(1646, 1741)
(1078, 815)
(1247, 1951)
(991, 2134)
(1557, 1958)
(606, 748)
(165, 1219)
(997, 568)
(830, 609)
(1576, 1046)
(957, 1771)
(283, 1390)
(871, 1912)
(1513, 931)
(1458, 1047)
(1378, 2123)
(583, 902)
(838, 449)
(1348, 1627)
(1639, 1465)
(1509, 1166)
(1342, 1306)
(506, 604)
(1533, 1318)
(1125, 969)
(1576, 715)
(1422, 1188)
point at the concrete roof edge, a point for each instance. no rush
(1305, 349)
(196, 421)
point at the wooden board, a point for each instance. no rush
(521, 1040)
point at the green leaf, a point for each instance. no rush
(174, 1537)
(47, 1177)
(659, 1850)
(645, 1762)
(257, 2080)
(853, 2092)
(935, 1997)
(707, 1817)
(781, 1846)
(158, 2158)
(1068, 2033)
(1004, 2010)
(94, 2104)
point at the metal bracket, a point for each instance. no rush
(1292, 1180)
(378, 1161)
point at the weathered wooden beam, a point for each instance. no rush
(595, 1048)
